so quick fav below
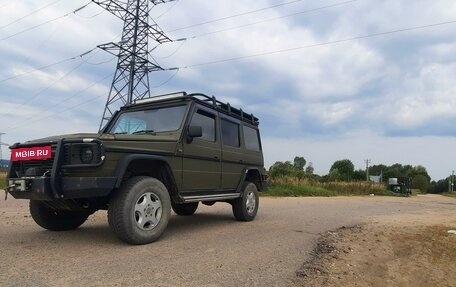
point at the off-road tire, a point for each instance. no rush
(56, 220)
(245, 208)
(139, 211)
(185, 209)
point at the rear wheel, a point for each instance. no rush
(139, 212)
(185, 209)
(55, 219)
(245, 208)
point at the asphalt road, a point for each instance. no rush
(209, 248)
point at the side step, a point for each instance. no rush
(212, 197)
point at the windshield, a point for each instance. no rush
(149, 121)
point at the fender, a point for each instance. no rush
(244, 176)
(125, 162)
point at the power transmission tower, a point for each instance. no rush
(131, 79)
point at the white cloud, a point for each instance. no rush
(400, 83)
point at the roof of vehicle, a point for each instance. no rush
(200, 98)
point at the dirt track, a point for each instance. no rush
(207, 249)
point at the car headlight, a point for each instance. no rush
(86, 155)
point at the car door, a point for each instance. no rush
(232, 154)
(202, 155)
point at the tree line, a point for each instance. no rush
(344, 170)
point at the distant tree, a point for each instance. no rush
(345, 169)
(280, 168)
(310, 168)
(359, 175)
(335, 175)
(419, 170)
(299, 162)
(421, 182)
(379, 169)
(439, 186)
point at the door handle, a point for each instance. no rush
(216, 157)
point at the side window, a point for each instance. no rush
(251, 138)
(230, 133)
(207, 122)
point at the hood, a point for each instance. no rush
(67, 136)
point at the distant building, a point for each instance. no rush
(375, 178)
(4, 164)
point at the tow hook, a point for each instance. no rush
(6, 190)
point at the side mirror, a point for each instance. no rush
(194, 132)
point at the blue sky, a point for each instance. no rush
(389, 98)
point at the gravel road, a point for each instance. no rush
(207, 249)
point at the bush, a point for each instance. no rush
(291, 186)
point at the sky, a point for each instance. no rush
(329, 79)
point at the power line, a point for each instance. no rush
(46, 66)
(89, 17)
(27, 120)
(273, 19)
(318, 44)
(30, 14)
(168, 80)
(29, 100)
(234, 16)
(172, 53)
(167, 10)
(44, 23)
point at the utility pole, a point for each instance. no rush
(367, 161)
(452, 181)
(1, 144)
(1, 147)
(131, 79)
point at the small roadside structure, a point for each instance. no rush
(400, 184)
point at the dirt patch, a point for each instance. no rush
(417, 254)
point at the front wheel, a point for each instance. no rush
(245, 208)
(56, 219)
(139, 212)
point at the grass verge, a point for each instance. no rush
(2, 179)
(296, 187)
(450, 194)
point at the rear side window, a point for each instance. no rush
(207, 123)
(251, 138)
(230, 133)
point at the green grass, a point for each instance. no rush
(295, 187)
(2, 179)
(298, 190)
(453, 194)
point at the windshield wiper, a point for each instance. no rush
(144, 132)
(121, 133)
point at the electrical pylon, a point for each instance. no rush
(131, 79)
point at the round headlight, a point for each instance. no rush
(86, 155)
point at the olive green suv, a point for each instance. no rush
(161, 153)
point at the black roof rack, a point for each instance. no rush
(224, 107)
(211, 102)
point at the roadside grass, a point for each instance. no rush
(2, 179)
(450, 194)
(287, 186)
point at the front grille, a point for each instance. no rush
(37, 167)
(70, 158)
